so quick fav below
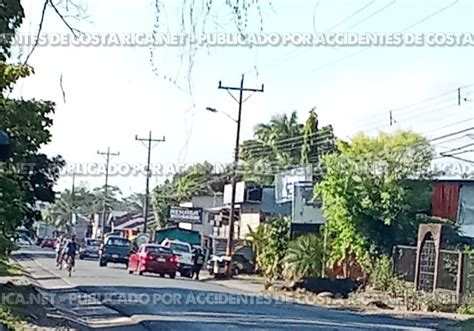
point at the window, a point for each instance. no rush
(159, 249)
(180, 248)
(118, 242)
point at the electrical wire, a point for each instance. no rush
(403, 30)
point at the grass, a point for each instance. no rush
(8, 270)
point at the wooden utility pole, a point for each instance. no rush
(107, 155)
(240, 101)
(148, 141)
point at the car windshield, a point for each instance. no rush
(158, 249)
(93, 242)
(180, 248)
(118, 242)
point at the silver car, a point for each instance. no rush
(90, 248)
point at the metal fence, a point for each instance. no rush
(443, 271)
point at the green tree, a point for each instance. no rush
(198, 179)
(277, 234)
(27, 176)
(284, 143)
(368, 193)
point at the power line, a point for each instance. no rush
(350, 16)
(403, 30)
(373, 14)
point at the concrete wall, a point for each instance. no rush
(246, 221)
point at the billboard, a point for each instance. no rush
(305, 211)
(284, 182)
(186, 214)
(239, 193)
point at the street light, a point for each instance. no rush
(230, 238)
(4, 146)
(214, 110)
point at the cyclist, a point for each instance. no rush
(71, 249)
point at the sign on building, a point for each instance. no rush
(284, 182)
(305, 211)
(239, 193)
(186, 214)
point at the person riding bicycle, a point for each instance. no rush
(71, 249)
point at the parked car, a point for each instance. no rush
(23, 241)
(184, 253)
(153, 258)
(90, 248)
(115, 249)
(217, 263)
(48, 243)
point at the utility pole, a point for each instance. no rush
(459, 96)
(73, 194)
(241, 89)
(148, 141)
(107, 155)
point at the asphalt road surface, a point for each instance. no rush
(111, 298)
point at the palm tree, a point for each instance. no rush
(257, 239)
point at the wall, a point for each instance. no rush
(246, 221)
(445, 200)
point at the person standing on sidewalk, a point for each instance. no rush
(198, 262)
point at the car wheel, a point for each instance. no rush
(130, 271)
(81, 257)
(173, 275)
(102, 263)
(162, 275)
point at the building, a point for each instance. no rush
(454, 199)
(194, 215)
(255, 204)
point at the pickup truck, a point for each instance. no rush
(115, 249)
(184, 253)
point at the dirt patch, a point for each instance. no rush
(23, 308)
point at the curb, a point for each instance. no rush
(70, 316)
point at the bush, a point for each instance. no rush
(382, 278)
(303, 258)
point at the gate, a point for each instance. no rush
(427, 266)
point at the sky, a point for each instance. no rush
(113, 94)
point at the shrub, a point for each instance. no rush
(303, 258)
(382, 279)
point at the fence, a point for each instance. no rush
(440, 271)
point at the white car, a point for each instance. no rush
(23, 241)
(184, 252)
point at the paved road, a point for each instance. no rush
(113, 298)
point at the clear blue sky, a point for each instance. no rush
(112, 93)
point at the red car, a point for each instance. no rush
(48, 242)
(153, 258)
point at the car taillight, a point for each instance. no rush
(174, 259)
(150, 257)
